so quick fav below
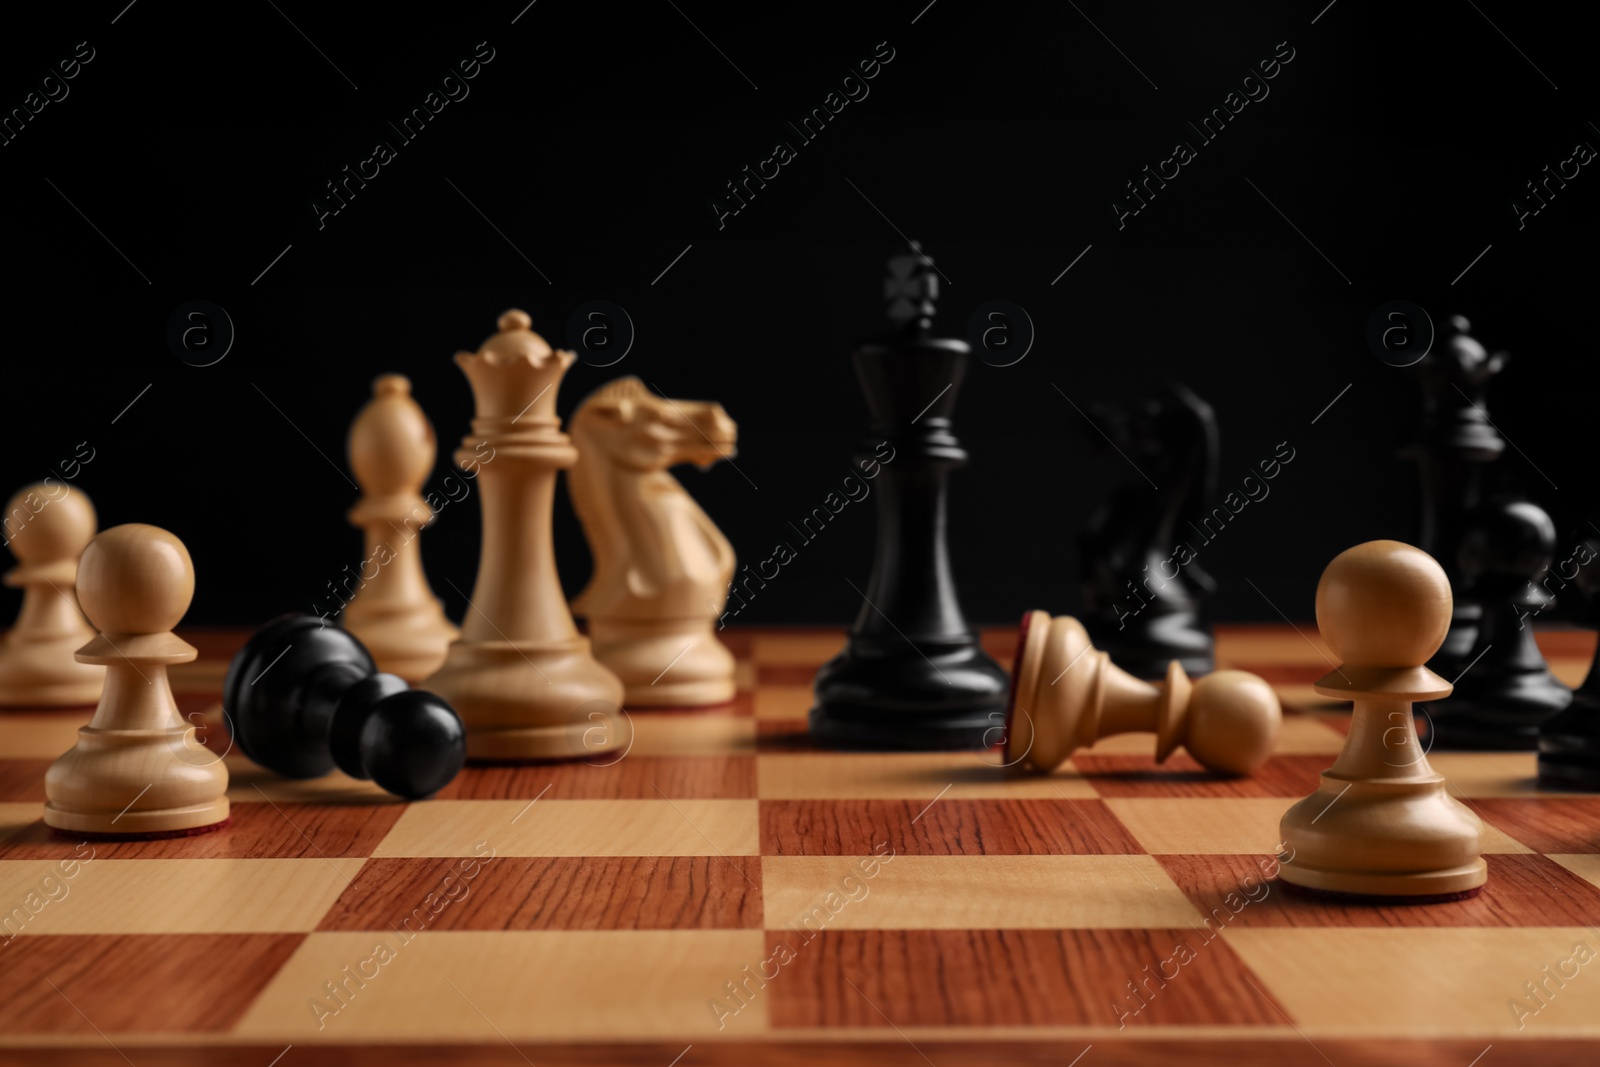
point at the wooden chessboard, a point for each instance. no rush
(865, 908)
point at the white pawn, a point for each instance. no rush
(136, 769)
(47, 528)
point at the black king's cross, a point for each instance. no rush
(911, 289)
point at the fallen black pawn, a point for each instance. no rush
(303, 697)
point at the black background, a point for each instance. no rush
(198, 136)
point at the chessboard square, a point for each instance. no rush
(1203, 825)
(1406, 983)
(1235, 892)
(688, 734)
(1180, 776)
(491, 987)
(553, 893)
(609, 776)
(1488, 774)
(948, 828)
(686, 827)
(253, 831)
(1548, 823)
(884, 980)
(22, 780)
(42, 735)
(185, 983)
(800, 648)
(15, 818)
(248, 782)
(969, 892)
(1249, 647)
(1299, 735)
(107, 896)
(912, 775)
(784, 701)
(1585, 866)
(785, 676)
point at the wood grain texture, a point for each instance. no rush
(887, 978)
(1114, 1050)
(1549, 824)
(629, 778)
(1233, 891)
(945, 828)
(256, 831)
(555, 893)
(181, 984)
(1181, 776)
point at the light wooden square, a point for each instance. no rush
(808, 648)
(1223, 826)
(680, 827)
(960, 892)
(14, 817)
(1423, 982)
(175, 896)
(498, 987)
(924, 775)
(1488, 774)
(249, 783)
(689, 735)
(1273, 647)
(1299, 735)
(42, 736)
(783, 701)
(1585, 865)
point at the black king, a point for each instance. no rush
(912, 674)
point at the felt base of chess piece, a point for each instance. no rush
(90, 835)
(1066, 694)
(1506, 691)
(1367, 900)
(873, 695)
(38, 665)
(303, 697)
(1382, 822)
(663, 664)
(136, 767)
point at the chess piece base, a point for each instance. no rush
(665, 663)
(1385, 837)
(136, 782)
(44, 674)
(873, 695)
(526, 700)
(409, 642)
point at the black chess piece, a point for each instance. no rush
(1141, 591)
(912, 674)
(303, 697)
(1452, 442)
(1569, 742)
(1506, 691)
